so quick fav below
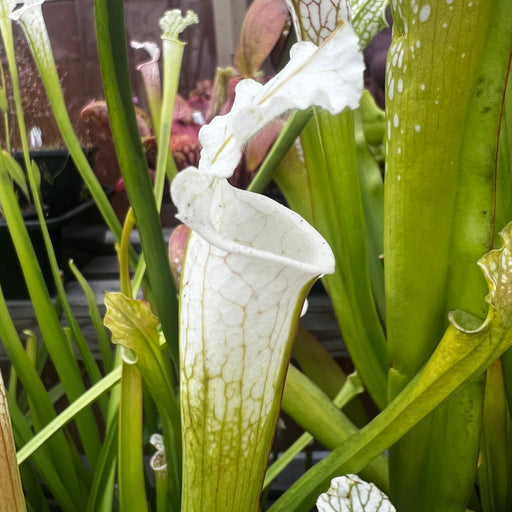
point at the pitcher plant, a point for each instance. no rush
(403, 214)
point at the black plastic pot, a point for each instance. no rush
(11, 275)
(62, 187)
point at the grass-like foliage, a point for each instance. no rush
(404, 215)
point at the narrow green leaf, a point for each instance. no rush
(91, 366)
(8, 44)
(111, 35)
(319, 365)
(47, 463)
(102, 489)
(32, 486)
(135, 327)
(372, 195)
(16, 173)
(350, 389)
(42, 407)
(336, 210)
(4, 105)
(280, 148)
(36, 175)
(319, 416)
(95, 316)
(132, 490)
(32, 22)
(291, 177)
(63, 358)
(85, 400)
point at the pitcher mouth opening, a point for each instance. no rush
(245, 223)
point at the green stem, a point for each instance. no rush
(495, 467)
(84, 349)
(43, 461)
(441, 157)
(6, 112)
(33, 178)
(162, 489)
(88, 398)
(132, 492)
(32, 21)
(172, 24)
(97, 321)
(55, 339)
(294, 126)
(114, 68)
(324, 427)
(321, 417)
(7, 39)
(337, 212)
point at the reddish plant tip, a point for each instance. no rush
(177, 247)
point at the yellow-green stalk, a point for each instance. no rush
(162, 109)
(446, 73)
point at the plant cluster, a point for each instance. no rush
(416, 263)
